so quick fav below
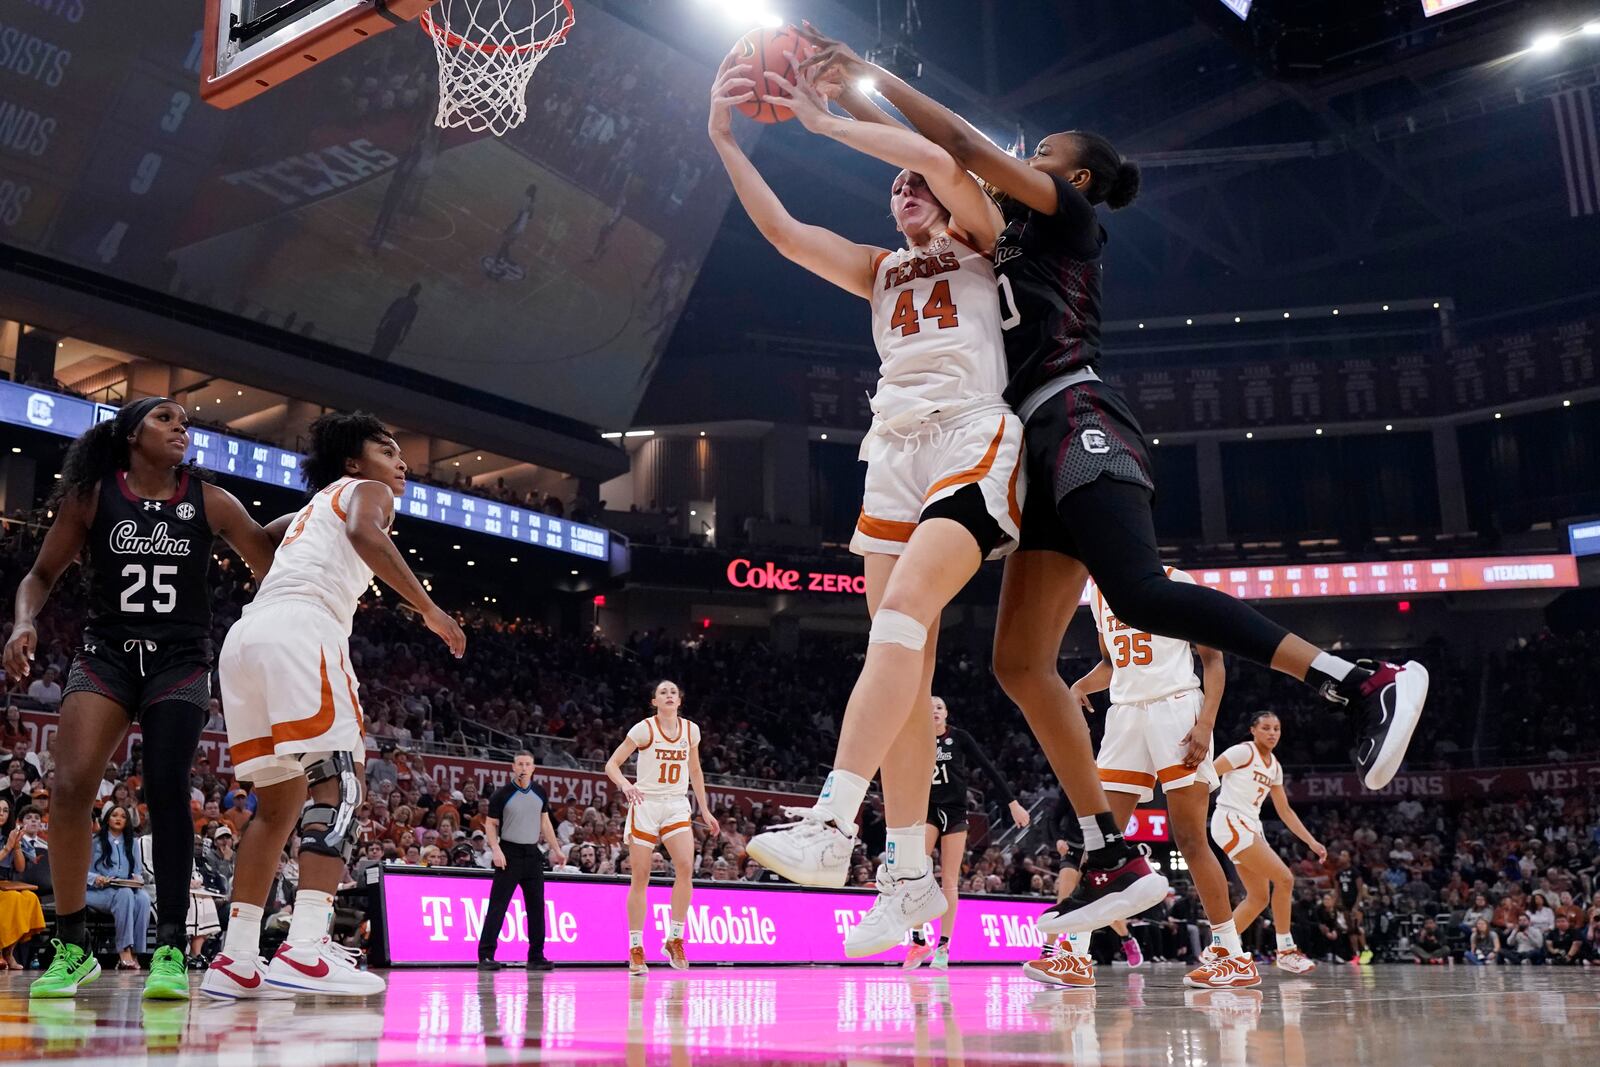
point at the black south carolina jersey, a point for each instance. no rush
(1049, 271)
(148, 564)
(954, 754)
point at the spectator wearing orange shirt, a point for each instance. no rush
(238, 814)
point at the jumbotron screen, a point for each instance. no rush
(547, 267)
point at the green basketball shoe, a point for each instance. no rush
(169, 976)
(71, 968)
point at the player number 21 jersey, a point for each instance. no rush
(316, 560)
(663, 768)
(1143, 666)
(936, 325)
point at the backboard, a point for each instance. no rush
(252, 45)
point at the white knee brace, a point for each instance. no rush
(896, 628)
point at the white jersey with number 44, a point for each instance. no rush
(1144, 666)
(663, 767)
(936, 323)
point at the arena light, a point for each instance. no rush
(640, 433)
(1564, 403)
(1155, 440)
(16, 450)
(748, 11)
(1545, 43)
(1249, 435)
(574, 574)
(1388, 426)
(612, 436)
(1591, 29)
(1239, 7)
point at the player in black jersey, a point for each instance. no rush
(954, 754)
(147, 522)
(1088, 510)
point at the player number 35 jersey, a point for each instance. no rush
(1144, 666)
(663, 768)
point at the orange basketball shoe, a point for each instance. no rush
(672, 948)
(1063, 969)
(636, 964)
(1218, 970)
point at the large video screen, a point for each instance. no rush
(548, 266)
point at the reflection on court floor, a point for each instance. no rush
(1386, 1015)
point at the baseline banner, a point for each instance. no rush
(564, 786)
(434, 917)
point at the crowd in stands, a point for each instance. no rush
(771, 720)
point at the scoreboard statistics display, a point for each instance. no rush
(69, 416)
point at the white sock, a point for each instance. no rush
(313, 915)
(1225, 935)
(1092, 837)
(1331, 665)
(1078, 944)
(903, 854)
(677, 930)
(1285, 942)
(243, 942)
(636, 939)
(841, 797)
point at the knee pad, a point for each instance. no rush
(894, 628)
(329, 829)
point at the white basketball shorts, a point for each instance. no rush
(905, 475)
(657, 819)
(1234, 831)
(287, 689)
(1144, 744)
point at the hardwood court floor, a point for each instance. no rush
(1412, 1016)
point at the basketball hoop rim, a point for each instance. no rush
(450, 39)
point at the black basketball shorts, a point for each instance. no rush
(948, 818)
(139, 674)
(1083, 433)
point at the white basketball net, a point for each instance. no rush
(487, 51)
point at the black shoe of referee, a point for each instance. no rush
(489, 965)
(1117, 883)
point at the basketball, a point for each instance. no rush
(764, 49)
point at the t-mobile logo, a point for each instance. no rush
(436, 917)
(843, 920)
(991, 929)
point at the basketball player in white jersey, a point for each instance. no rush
(658, 814)
(943, 484)
(1159, 729)
(294, 722)
(1250, 774)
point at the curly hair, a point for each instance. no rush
(335, 440)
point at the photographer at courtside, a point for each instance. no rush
(519, 812)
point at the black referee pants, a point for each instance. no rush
(524, 867)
